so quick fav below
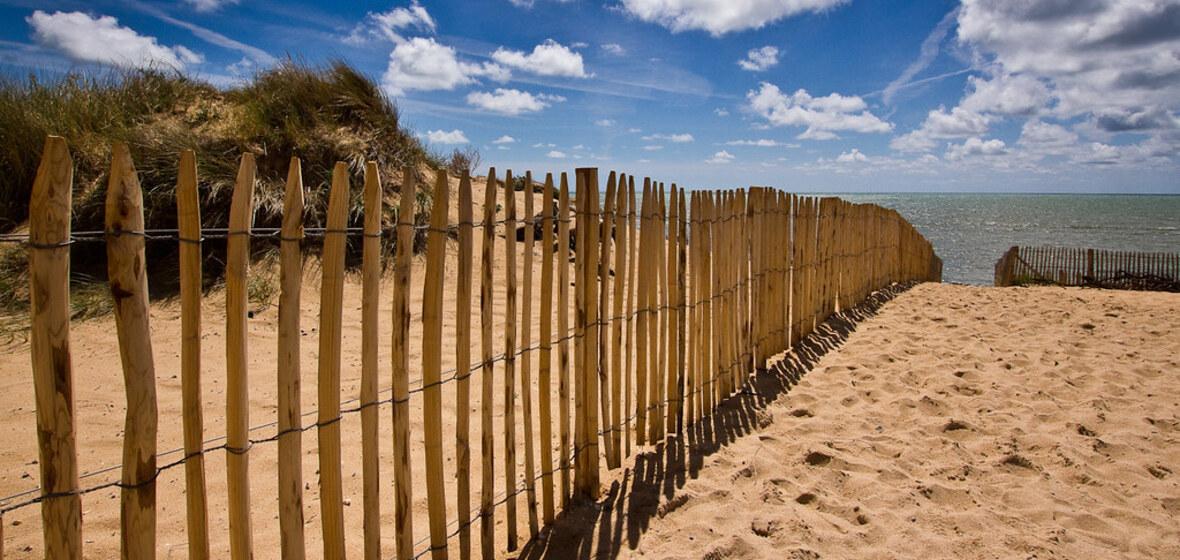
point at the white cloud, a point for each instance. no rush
(675, 138)
(1046, 138)
(759, 60)
(976, 147)
(853, 156)
(453, 137)
(505, 139)
(547, 59)
(209, 5)
(529, 3)
(424, 64)
(511, 101)
(614, 49)
(653, 148)
(604, 122)
(544, 145)
(721, 157)
(556, 155)
(634, 130)
(822, 116)
(387, 26)
(719, 17)
(939, 124)
(1007, 94)
(86, 39)
(762, 143)
(721, 112)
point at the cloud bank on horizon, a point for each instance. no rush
(836, 94)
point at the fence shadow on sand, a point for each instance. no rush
(599, 530)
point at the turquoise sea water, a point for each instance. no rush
(971, 231)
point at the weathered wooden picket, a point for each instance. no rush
(677, 301)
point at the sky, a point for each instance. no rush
(1052, 96)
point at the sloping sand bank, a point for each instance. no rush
(950, 422)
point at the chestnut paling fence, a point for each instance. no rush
(669, 306)
(1066, 266)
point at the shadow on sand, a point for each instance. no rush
(601, 529)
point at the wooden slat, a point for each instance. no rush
(545, 375)
(671, 327)
(658, 303)
(127, 275)
(328, 374)
(581, 206)
(237, 401)
(487, 522)
(681, 313)
(563, 326)
(617, 320)
(432, 309)
(370, 335)
(463, 366)
(526, 379)
(290, 444)
(603, 223)
(631, 281)
(510, 360)
(643, 318)
(403, 487)
(49, 348)
(590, 454)
(188, 215)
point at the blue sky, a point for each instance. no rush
(804, 95)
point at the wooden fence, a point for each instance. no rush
(678, 296)
(1127, 270)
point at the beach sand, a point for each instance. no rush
(953, 422)
(939, 421)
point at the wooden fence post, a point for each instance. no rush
(617, 320)
(127, 274)
(526, 363)
(432, 310)
(370, 326)
(510, 358)
(545, 381)
(563, 326)
(643, 263)
(328, 388)
(290, 444)
(463, 366)
(237, 401)
(603, 224)
(403, 488)
(631, 281)
(487, 510)
(188, 216)
(49, 342)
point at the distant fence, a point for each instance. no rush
(675, 303)
(1124, 270)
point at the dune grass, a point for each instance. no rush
(321, 114)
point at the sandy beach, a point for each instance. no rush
(952, 422)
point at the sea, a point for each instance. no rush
(971, 231)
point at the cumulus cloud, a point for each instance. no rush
(721, 112)
(86, 39)
(823, 116)
(554, 154)
(511, 101)
(941, 124)
(976, 147)
(1007, 94)
(505, 139)
(721, 157)
(676, 138)
(758, 60)
(387, 26)
(719, 17)
(604, 122)
(209, 5)
(442, 137)
(853, 156)
(547, 59)
(424, 64)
